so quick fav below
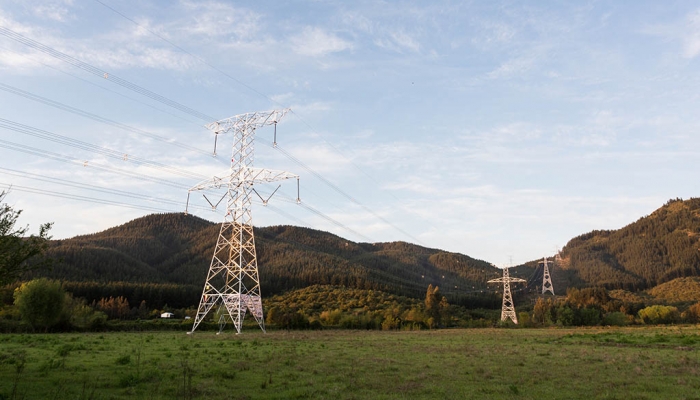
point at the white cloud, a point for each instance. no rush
(686, 31)
(313, 107)
(398, 41)
(691, 39)
(53, 10)
(314, 41)
(216, 19)
(492, 33)
(513, 67)
(136, 56)
(320, 158)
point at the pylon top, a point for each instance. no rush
(252, 120)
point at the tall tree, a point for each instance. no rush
(15, 248)
(40, 302)
(432, 304)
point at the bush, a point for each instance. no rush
(616, 318)
(565, 316)
(659, 315)
(589, 316)
(692, 314)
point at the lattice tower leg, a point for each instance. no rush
(547, 280)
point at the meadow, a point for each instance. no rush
(557, 363)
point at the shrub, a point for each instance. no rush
(616, 318)
(659, 314)
(589, 316)
(692, 314)
(565, 316)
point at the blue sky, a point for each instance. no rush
(495, 129)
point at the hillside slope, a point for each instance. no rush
(655, 249)
(176, 248)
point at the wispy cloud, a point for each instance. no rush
(316, 42)
(385, 32)
(58, 10)
(399, 41)
(684, 31)
(691, 36)
(218, 19)
(513, 67)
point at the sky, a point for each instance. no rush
(497, 129)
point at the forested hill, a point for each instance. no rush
(655, 249)
(176, 248)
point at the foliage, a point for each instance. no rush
(542, 312)
(692, 314)
(678, 290)
(616, 318)
(655, 249)
(114, 307)
(15, 248)
(332, 306)
(82, 316)
(176, 249)
(658, 314)
(40, 302)
(436, 307)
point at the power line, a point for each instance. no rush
(79, 185)
(42, 134)
(63, 158)
(87, 164)
(95, 117)
(80, 198)
(103, 87)
(344, 194)
(203, 61)
(334, 187)
(101, 73)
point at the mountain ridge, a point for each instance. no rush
(177, 249)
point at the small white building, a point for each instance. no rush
(167, 315)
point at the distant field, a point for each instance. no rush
(595, 363)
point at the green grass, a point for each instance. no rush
(595, 363)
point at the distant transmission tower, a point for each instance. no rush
(546, 278)
(232, 281)
(508, 309)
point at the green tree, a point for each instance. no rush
(15, 248)
(565, 316)
(40, 302)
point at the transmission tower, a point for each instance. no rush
(546, 278)
(508, 309)
(232, 282)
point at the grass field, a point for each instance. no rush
(600, 363)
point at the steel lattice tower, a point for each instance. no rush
(508, 309)
(546, 278)
(232, 281)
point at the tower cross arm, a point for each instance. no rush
(250, 176)
(248, 120)
(501, 280)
